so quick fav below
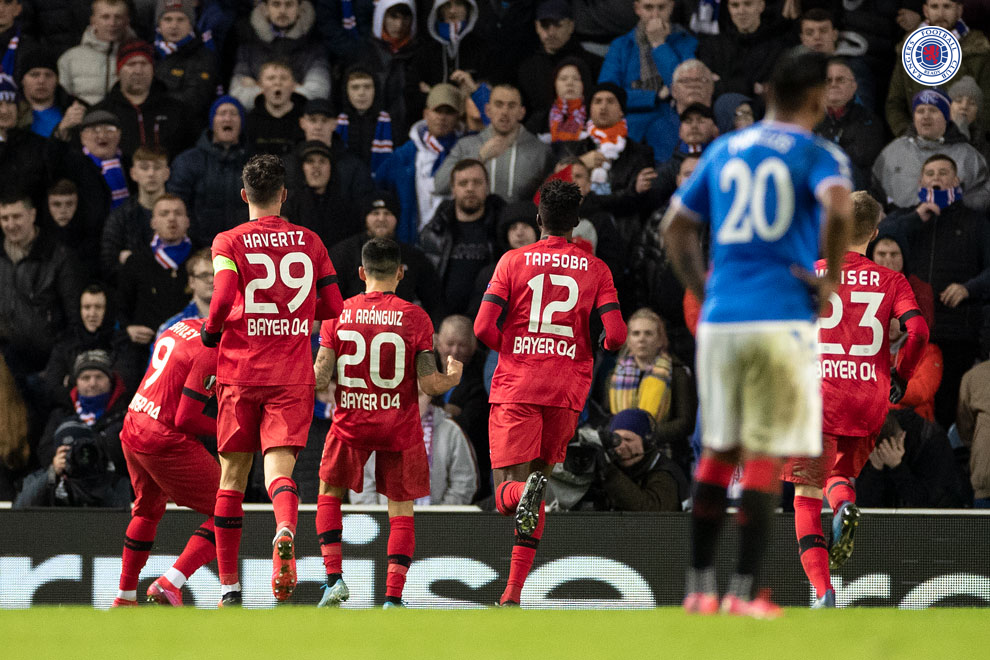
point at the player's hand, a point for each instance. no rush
(455, 368)
(60, 460)
(927, 210)
(908, 20)
(898, 386)
(140, 334)
(645, 179)
(953, 295)
(210, 339)
(465, 81)
(823, 286)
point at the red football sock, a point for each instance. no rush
(138, 539)
(200, 549)
(401, 545)
(329, 525)
(839, 490)
(507, 495)
(523, 553)
(811, 542)
(228, 521)
(285, 503)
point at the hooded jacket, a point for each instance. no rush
(75, 340)
(896, 170)
(299, 47)
(395, 88)
(159, 121)
(208, 179)
(89, 70)
(439, 57)
(514, 175)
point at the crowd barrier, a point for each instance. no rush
(586, 560)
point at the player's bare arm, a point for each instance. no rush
(323, 368)
(432, 381)
(681, 234)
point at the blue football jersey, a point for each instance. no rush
(759, 189)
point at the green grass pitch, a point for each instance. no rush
(304, 632)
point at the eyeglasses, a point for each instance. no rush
(202, 276)
(103, 130)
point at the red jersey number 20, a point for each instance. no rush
(374, 355)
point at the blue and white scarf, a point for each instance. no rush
(91, 408)
(113, 175)
(165, 48)
(381, 142)
(170, 257)
(347, 18)
(940, 198)
(10, 57)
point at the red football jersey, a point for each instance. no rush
(376, 340)
(265, 338)
(180, 366)
(548, 291)
(854, 345)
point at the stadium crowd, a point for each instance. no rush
(125, 124)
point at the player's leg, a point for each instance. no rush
(148, 509)
(228, 519)
(279, 463)
(851, 456)
(401, 546)
(531, 477)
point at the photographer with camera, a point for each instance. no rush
(81, 447)
(620, 469)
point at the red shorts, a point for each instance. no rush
(842, 456)
(253, 417)
(522, 432)
(401, 476)
(185, 473)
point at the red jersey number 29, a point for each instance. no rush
(302, 284)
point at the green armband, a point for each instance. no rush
(221, 262)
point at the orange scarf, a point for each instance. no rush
(608, 135)
(567, 120)
(395, 44)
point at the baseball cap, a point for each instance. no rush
(554, 10)
(315, 147)
(319, 107)
(697, 109)
(444, 94)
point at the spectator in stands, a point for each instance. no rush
(455, 46)
(515, 159)
(409, 171)
(467, 404)
(744, 51)
(912, 466)
(323, 204)
(64, 219)
(633, 474)
(199, 268)
(153, 282)
(208, 176)
(894, 172)
(273, 121)
(23, 162)
(948, 247)
(14, 448)
(975, 62)
(364, 126)
(39, 288)
(128, 227)
(659, 46)
(819, 33)
(967, 104)
(46, 108)
(81, 444)
(88, 71)
(93, 328)
(733, 111)
(12, 38)
(850, 124)
(539, 72)
(419, 283)
(453, 468)
(56, 26)
(974, 405)
(460, 239)
(99, 134)
(388, 54)
(919, 395)
(889, 250)
(318, 123)
(692, 82)
(564, 120)
(696, 131)
(146, 115)
(343, 25)
(183, 63)
(281, 30)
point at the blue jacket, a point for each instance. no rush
(398, 174)
(622, 65)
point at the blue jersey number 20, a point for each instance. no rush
(748, 212)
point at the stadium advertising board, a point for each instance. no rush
(585, 560)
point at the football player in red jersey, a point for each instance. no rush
(272, 278)
(382, 346)
(167, 462)
(535, 313)
(858, 379)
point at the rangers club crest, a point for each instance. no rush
(931, 55)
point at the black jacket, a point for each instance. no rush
(163, 121)
(149, 294)
(333, 215)
(190, 75)
(418, 285)
(535, 77)
(273, 135)
(861, 135)
(436, 239)
(128, 227)
(75, 340)
(742, 60)
(396, 90)
(58, 26)
(953, 247)
(27, 164)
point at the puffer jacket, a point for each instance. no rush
(39, 296)
(88, 71)
(208, 179)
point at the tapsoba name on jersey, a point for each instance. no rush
(273, 239)
(556, 260)
(856, 277)
(372, 316)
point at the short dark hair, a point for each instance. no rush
(14, 196)
(466, 164)
(816, 15)
(795, 75)
(891, 427)
(95, 289)
(380, 257)
(559, 202)
(264, 178)
(866, 216)
(935, 157)
(202, 254)
(63, 187)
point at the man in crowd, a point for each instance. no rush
(89, 70)
(47, 107)
(273, 120)
(742, 55)
(199, 269)
(99, 134)
(818, 33)
(184, 64)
